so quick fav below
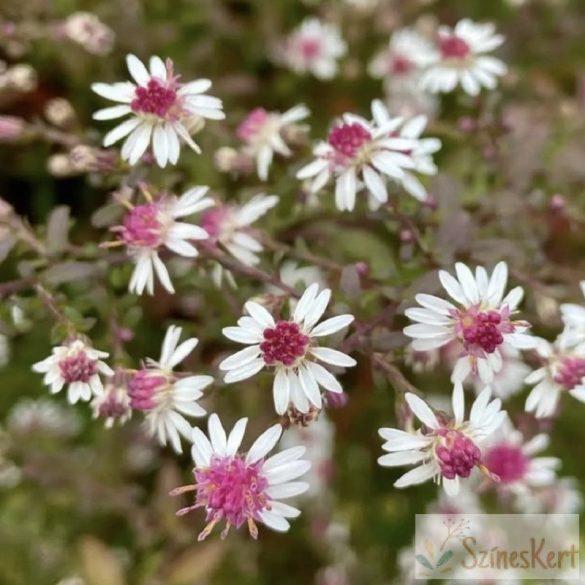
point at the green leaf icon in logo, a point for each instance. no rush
(444, 557)
(424, 562)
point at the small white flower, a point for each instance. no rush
(407, 53)
(239, 488)
(161, 110)
(263, 134)
(421, 153)
(481, 325)
(445, 451)
(563, 370)
(152, 226)
(77, 365)
(461, 59)
(514, 462)
(228, 226)
(113, 404)
(90, 32)
(314, 47)
(359, 153)
(291, 348)
(292, 274)
(166, 398)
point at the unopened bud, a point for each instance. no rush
(59, 165)
(90, 32)
(59, 112)
(21, 78)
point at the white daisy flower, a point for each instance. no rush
(421, 153)
(562, 371)
(314, 47)
(76, 365)
(263, 134)
(481, 324)
(357, 150)
(166, 398)
(442, 450)
(407, 53)
(515, 463)
(461, 59)
(236, 487)
(228, 227)
(152, 226)
(161, 109)
(291, 348)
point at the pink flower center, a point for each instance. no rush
(252, 124)
(213, 222)
(233, 490)
(482, 331)
(156, 98)
(457, 454)
(78, 368)
(400, 65)
(508, 462)
(571, 373)
(113, 406)
(142, 226)
(310, 49)
(453, 47)
(143, 387)
(285, 344)
(347, 139)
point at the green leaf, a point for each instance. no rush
(424, 562)
(444, 557)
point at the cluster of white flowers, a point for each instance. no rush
(458, 56)
(477, 331)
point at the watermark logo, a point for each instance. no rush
(497, 546)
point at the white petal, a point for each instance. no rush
(332, 325)
(264, 444)
(244, 372)
(287, 490)
(281, 391)
(422, 410)
(305, 302)
(324, 378)
(201, 450)
(310, 386)
(333, 357)
(235, 437)
(458, 403)
(260, 314)
(401, 458)
(217, 435)
(121, 131)
(137, 70)
(240, 358)
(417, 475)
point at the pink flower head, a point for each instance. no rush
(240, 488)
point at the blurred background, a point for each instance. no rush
(84, 505)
